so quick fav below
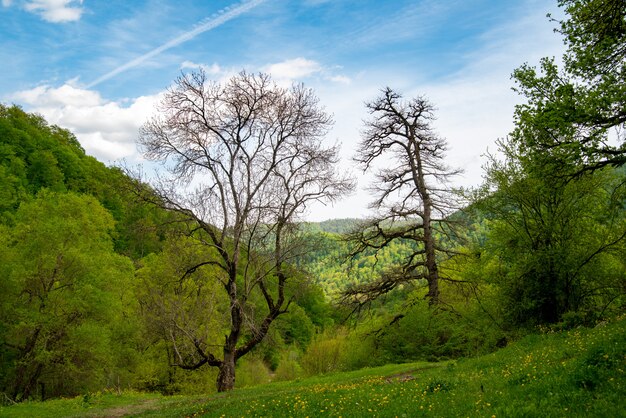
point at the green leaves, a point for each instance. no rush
(63, 295)
(554, 243)
(557, 231)
(571, 113)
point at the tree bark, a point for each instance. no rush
(226, 375)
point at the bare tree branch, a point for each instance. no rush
(245, 160)
(413, 199)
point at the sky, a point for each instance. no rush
(98, 68)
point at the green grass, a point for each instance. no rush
(576, 373)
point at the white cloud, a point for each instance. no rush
(6, 3)
(293, 69)
(56, 11)
(299, 69)
(66, 95)
(106, 129)
(212, 69)
(340, 79)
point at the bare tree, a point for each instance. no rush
(413, 199)
(244, 158)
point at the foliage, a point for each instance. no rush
(296, 327)
(554, 203)
(171, 302)
(63, 308)
(333, 268)
(572, 113)
(334, 226)
(434, 334)
(252, 371)
(35, 155)
(325, 354)
(554, 244)
(288, 367)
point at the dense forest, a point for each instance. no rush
(111, 280)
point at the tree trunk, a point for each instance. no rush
(429, 238)
(226, 376)
(26, 382)
(431, 257)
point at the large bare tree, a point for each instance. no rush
(413, 199)
(244, 160)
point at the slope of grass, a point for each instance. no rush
(580, 372)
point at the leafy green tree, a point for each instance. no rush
(63, 293)
(578, 114)
(182, 307)
(35, 155)
(44, 171)
(558, 217)
(555, 244)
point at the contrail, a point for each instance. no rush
(212, 22)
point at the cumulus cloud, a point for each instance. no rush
(56, 11)
(106, 129)
(340, 79)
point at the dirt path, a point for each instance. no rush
(408, 375)
(122, 411)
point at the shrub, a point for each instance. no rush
(326, 353)
(251, 372)
(288, 367)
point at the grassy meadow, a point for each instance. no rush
(579, 372)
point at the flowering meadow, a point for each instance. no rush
(580, 372)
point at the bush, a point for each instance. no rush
(288, 367)
(326, 353)
(424, 333)
(251, 372)
(362, 351)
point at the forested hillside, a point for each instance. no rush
(88, 269)
(207, 278)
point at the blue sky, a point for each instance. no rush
(98, 67)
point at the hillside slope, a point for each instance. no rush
(580, 372)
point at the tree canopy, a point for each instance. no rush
(577, 113)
